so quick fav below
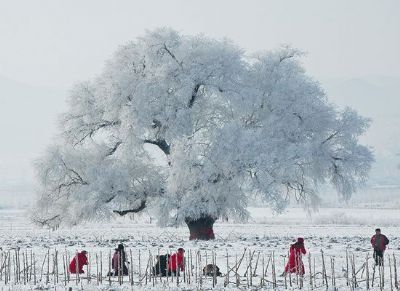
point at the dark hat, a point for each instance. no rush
(181, 250)
(120, 247)
(300, 240)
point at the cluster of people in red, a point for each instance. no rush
(173, 264)
(119, 263)
(295, 264)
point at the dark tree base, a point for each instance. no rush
(201, 229)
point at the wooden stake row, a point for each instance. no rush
(248, 269)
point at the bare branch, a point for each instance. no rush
(76, 179)
(194, 95)
(285, 57)
(298, 116)
(161, 143)
(330, 137)
(114, 149)
(172, 56)
(89, 129)
(110, 199)
(336, 158)
(135, 210)
(44, 222)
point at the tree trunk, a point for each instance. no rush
(202, 228)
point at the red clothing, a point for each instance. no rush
(118, 260)
(379, 242)
(295, 264)
(82, 260)
(176, 258)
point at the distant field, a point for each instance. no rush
(263, 223)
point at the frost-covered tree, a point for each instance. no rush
(231, 127)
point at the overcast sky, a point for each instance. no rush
(53, 44)
(56, 43)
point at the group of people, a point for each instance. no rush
(119, 262)
(172, 264)
(295, 264)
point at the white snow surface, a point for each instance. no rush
(332, 230)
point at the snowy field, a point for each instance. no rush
(264, 237)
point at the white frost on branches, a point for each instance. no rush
(230, 127)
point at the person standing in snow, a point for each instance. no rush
(77, 263)
(119, 261)
(379, 242)
(295, 263)
(176, 262)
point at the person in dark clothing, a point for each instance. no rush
(119, 261)
(160, 268)
(379, 242)
(211, 270)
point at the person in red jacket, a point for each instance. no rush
(379, 242)
(81, 260)
(176, 262)
(295, 264)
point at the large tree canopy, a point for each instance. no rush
(230, 126)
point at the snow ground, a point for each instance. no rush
(332, 230)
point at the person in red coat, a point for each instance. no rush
(295, 264)
(176, 262)
(81, 259)
(379, 242)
